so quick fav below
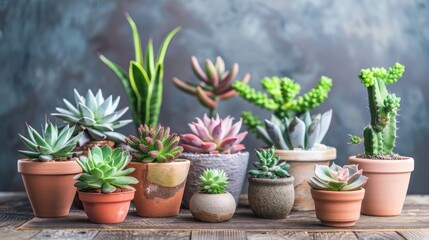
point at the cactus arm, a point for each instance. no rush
(257, 98)
(373, 141)
(289, 89)
(272, 86)
(389, 135)
(314, 97)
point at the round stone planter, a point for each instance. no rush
(212, 207)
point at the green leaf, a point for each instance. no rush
(155, 89)
(140, 83)
(150, 61)
(37, 138)
(106, 151)
(125, 180)
(136, 39)
(29, 154)
(28, 143)
(164, 45)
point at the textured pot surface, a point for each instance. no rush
(212, 207)
(49, 186)
(160, 189)
(338, 208)
(302, 168)
(271, 198)
(235, 165)
(106, 208)
(387, 184)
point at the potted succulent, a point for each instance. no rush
(337, 193)
(212, 203)
(215, 143)
(271, 193)
(161, 175)
(48, 170)
(103, 186)
(388, 173)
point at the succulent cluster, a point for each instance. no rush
(213, 181)
(95, 116)
(379, 136)
(214, 135)
(336, 178)
(215, 82)
(103, 169)
(51, 144)
(154, 145)
(301, 133)
(268, 165)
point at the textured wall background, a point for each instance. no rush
(47, 48)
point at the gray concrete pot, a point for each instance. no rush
(271, 198)
(212, 207)
(235, 165)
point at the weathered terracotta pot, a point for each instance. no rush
(387, 184)
(338, 208)
(49, 185)
(235, 166)
(160, 189)
(302, 168)
(212, 207)
(271, 198)
(106, 208)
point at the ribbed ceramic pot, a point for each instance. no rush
(387, 184)
(235, 166)
(212, 207)
(271, 198)
(302, 168)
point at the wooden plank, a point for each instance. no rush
(16, 235)
(278, 235)
(415, 235)
(218, 235)
(120, 235)
(378, 236)
(65, 235)
(333, 235)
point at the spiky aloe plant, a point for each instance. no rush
(379, 136)
(143, 81)
(51, 144)
(215, 83)
(154, 145)
(103, 169)
(213, 181)
(336, 178)
(268, 165)
(95, 116)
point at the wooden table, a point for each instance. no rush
(17, 222)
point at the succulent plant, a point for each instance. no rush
(95, 116)
(302, 132)
(379, 137)
(268, 165)
(51, 144)
(154, 145)
(215, 82)
(143, 82)
(103, 169)
(214, 135)
(213, 181)
(336, 178)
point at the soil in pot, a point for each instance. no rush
(271, 198)
(212, 207)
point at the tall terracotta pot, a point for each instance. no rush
(160, 189)
(302, 168)
(387, 184)
(49, 185)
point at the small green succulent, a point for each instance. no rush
(213, 181)
(51, 144)
(269, 166)
(103, 169)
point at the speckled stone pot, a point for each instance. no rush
(271, 198)
(235, 165)
(212, 207)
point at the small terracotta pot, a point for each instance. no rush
(338, 208)
(49, 185)
(212, 207)
(302, 168)
(160, 189)
(271, 198)
(387, 184)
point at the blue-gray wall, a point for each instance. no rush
(47, 48)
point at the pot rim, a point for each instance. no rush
(384, 166)
(326, 195)
(267, 181)
(106, 197)
(177, 161)
(216, 154)
(330, 153)
(30, 167)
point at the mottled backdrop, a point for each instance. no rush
(47, 48)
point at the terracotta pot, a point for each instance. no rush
(49, 185)
(106, 208)
(387, 184)
(271, 198)
(338, 208)
(212, 207)
(235, 166)
(302, 168)
(160, 189)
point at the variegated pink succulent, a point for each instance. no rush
(214, 135)
(336, 178)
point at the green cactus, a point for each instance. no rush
(143, 83)
(213, 181)
(380, 136)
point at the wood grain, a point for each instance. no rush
(415, 235)
(378, 236)
(334, 235)
(65, 235)
(120, 235)
(218, 235)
